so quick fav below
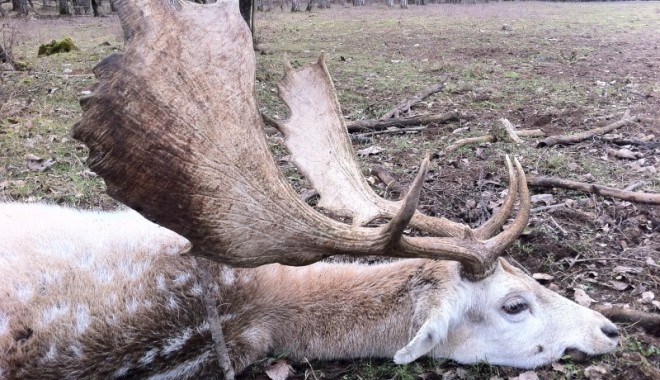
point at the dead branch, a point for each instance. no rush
(214, 318)
(405, 105)
(640, 143)
(377, 125)
(510, 132)
(530, 133)
(391, 131)
(648, 321)
(503, 132)
(388, 179)
(578, 137)
(632, 196)
(470, 140)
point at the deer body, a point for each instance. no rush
(109, 295)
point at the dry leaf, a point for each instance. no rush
(582, 298)
(279, 370)
(595, 372)
(35, 163)
(374, 149)
(542, 277)
(558, 367)
(548, 199)
(528, 375)
(647, 297)
(619, 285)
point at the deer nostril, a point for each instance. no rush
(610, 331)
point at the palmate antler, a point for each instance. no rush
(174, 130)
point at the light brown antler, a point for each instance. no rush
(317, 138)
(173, 128)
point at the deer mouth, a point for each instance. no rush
(576, 355)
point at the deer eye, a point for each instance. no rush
(515, 306)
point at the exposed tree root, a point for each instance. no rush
(632, 196)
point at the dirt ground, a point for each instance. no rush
(561, 68)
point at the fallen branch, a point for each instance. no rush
(377, 125)
(405, 105)
(388, 179)
(391, 131)
(578, 137)
(648, 321)
(640, 143)
(503, 132)
(632, 196)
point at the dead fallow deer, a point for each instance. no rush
(174, 130)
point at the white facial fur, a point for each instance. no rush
(483, 331)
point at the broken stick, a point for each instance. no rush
(632, 196)
(505, 132)
(405, 105)
(578, 137)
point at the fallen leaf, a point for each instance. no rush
(279, 370)
(595, 372)
(542, 277)
(558, 367)
(374, 149)
(548, 199)
(623, 269)
(582, 298)
(619, 285)
(36, 163)
(647, 297)
(528, 375)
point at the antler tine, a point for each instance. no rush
(500, 242)
(492, 225)
(317, 138)
(477, 257)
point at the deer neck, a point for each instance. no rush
(328, 311)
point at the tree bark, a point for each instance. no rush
(295, 6)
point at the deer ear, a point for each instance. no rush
(433, 331)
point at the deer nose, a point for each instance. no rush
(610, 331)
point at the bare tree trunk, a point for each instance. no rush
(64, 7)
(295, 5)
(310, 5)
(95, 8)
(245, 7)
(404, 3)
(358, 3)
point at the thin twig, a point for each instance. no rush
(405, 105)
(215, 323)
(563, 231)
(616, 259)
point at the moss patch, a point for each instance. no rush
(55, 47)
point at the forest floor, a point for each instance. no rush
(561, 68)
